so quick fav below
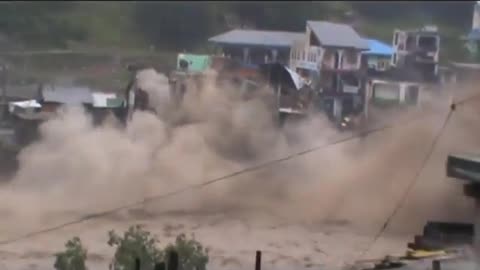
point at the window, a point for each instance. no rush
(394, 60)
(350, 57)
(303, 55)
(381, 65)
(395, 41)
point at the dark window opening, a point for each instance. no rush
(412, 94)
(410, 43)
(395, 42)
(427, 43)
(314, 40)
(336, 63)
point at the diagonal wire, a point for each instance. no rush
(210, 182)
(415, 179)
(203, 184)
(402, 200)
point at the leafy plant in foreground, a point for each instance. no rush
(192, 255)
(135, 243)
(73, 258)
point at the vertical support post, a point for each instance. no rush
(476, 230)
(258, 260)
(137, 264)
(246, 55)
(337, 109)
(4, 91)
(172, 263)
(368, 88)
(274, 55)
(160, 266)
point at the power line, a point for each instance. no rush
(402, 200)
(412, 183)
(203, 184)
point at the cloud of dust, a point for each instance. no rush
(77, 168)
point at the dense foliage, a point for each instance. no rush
(187, 25)
(135, 243)
(73, 258)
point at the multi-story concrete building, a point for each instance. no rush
(417, 50)
(330, 56)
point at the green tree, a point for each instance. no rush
(192, 255)
(73, 258)
(39, 23)
(135, 243)
(178, 25)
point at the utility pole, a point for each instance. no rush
(3, 73)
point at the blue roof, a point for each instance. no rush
(379, 48)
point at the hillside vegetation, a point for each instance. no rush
(174, 26)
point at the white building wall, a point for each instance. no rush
(476, 17)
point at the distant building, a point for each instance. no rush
(473, 37)
(378, 56)
(417, 50)
(256, 47)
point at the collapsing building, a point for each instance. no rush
(329, 56)
(335, 61)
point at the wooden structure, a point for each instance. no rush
(466, 167)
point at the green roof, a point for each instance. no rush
(107, 100)
(196, 63)
(114, 102)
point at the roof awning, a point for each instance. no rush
(280, 74)
(24, 105)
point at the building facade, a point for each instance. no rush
(417, 50)
(330, 56)
(253, 47)
(378, 56)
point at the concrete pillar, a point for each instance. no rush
(476, 17)
(476, 233)
(403, 90)
(337, 109)
(246, 55)
(368, 89)
(274, 55)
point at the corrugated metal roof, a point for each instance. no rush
(379, 48)
(337, 35)
(259, 38)
(68, 95)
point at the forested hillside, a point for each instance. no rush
(187, 25)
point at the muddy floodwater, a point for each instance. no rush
(316, 211)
